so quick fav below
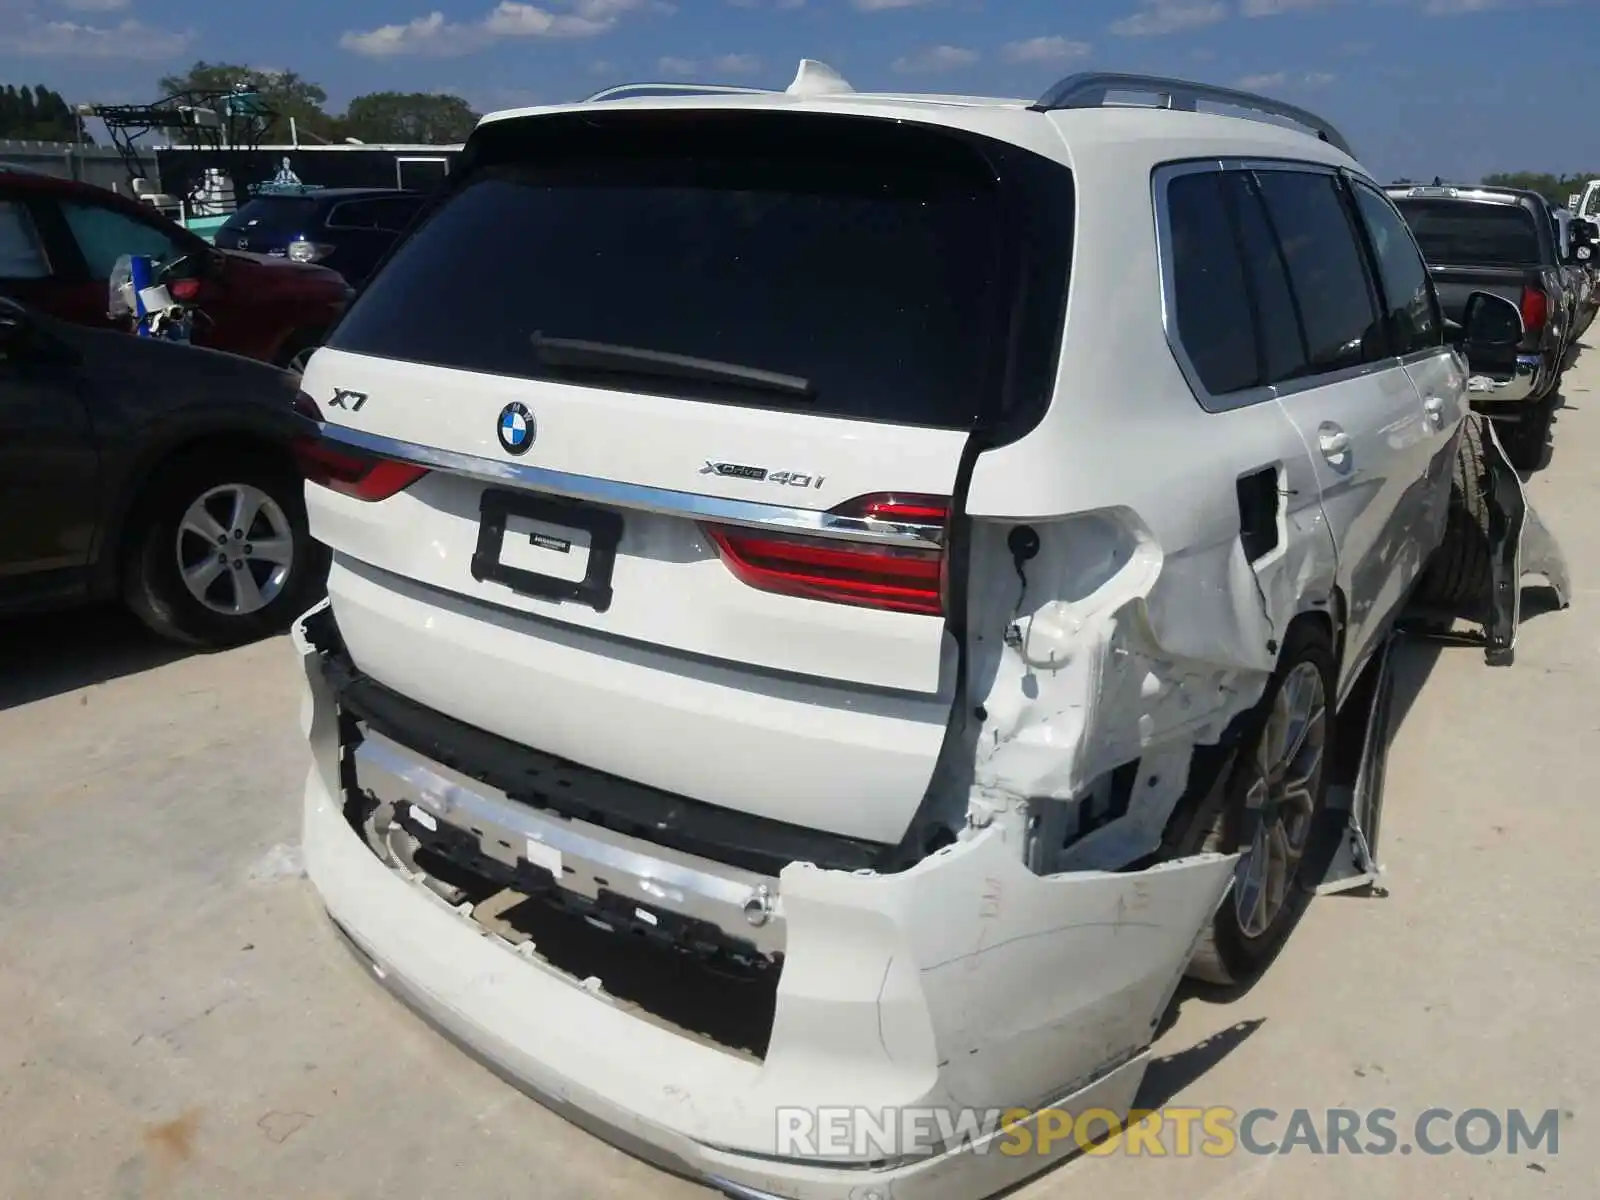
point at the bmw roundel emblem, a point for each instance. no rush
(516, 428)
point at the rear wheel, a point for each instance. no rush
(1458, 577)
(1525, 440)
(1267, 812)
(219, 552)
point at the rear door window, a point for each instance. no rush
(1326, 269)
(104, 235)
(1212, 301)
(392, 216)
(354, 214)
(1283, 346)
(858, 257)
(1467, 233)
(1413, 314)
(22, 253)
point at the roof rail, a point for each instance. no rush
(1091, 89)
(630, 91)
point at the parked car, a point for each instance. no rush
(347, 230)
(1505, 242)
(60, 239)
(150, 472)
(777, 640)
(1581, 246)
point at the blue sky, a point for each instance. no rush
(1422, 87)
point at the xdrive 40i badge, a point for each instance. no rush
(726, 470)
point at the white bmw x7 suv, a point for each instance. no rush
(838, 599)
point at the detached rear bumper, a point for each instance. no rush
(908, 1006)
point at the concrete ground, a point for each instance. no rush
(178, 1020)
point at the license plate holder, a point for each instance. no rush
(601, 527)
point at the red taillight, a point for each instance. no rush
(899, 578)
(345, 470)
(184, 290)
(1535, 309)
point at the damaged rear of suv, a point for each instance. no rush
(829, 592)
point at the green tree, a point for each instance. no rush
(1554, 188)
(36, 114)
(285, 92)
(421, 118)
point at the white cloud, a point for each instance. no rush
(723, 64)
(935, 58)
(1161, 17)
(887, 5)
(1045, 50)
(737, 64)
(1455, 8)
(779, 4)
(94, 6)
(128, 39)
(1286, 79)
(1275, 8)
(434, 35)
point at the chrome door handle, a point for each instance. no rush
(1333, 442)
(1434, 407)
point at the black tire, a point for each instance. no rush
(152, 579)
(1458, 576)
(1224, 823)
(1525, 440)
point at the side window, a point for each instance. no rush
(104, 235)
(1212, 305)
(22, 253)
(1326, 270)
(394, 215)
(1283, 346)
(1413, 312)
(353, 214)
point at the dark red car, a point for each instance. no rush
(59, 240)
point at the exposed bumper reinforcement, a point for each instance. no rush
(963, 985)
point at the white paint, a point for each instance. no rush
(541, 855)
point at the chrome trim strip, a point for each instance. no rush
(653, 879)
(690, 505)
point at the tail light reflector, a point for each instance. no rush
(1535, 309)
(908, 578)
(345, 470)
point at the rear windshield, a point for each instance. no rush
(1488, 235)
(856, 257)
(287, 215)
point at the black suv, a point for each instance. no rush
(347, 229)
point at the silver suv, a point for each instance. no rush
(830, 590)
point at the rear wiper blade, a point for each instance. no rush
(572, 354)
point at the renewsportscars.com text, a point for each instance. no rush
(1174, 1131)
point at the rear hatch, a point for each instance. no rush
(267, 224)
(693, 391)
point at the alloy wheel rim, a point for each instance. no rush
(235, 549)
(1281, 800)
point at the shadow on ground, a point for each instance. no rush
(44, 656)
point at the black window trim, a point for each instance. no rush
(1161, 176)
(1353, 181)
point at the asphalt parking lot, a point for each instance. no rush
(180, 1021)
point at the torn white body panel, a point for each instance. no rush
(965, 982)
